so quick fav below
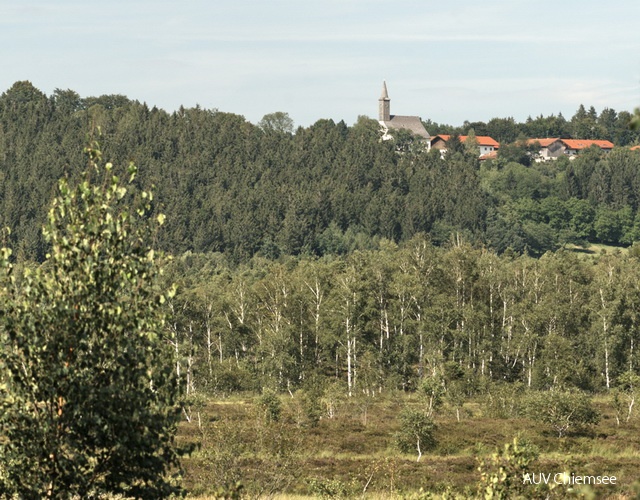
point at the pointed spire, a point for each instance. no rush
(385, 94)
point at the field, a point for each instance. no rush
(354, 453)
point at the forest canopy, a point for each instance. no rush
(230, 186)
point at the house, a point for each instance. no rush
(553, 148)
(388, 121)
(486, 144)
(574, 146)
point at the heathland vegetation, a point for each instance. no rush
(350, 315)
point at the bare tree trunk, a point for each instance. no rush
(349, 354)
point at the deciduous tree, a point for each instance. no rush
(88, 395)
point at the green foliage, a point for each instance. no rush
(563, 411)
(231, 492)
(331, 488)
(416, 431)
(277, 122)
(501, 474)
(89, 397)
(625, 395)
(230, 186)
(271, 405)
(432, 392)
(503, 400)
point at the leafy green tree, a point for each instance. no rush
(416, 431)
(270, 406)
(432, 392)
(66, 101)
(503, 130)
(550, 126)
(582, 217)
(277, 122)
(520, 152)
(562, 411)
(611, 226)
(628, 385)
(87, 390)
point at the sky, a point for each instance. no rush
(444, 61)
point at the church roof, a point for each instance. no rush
(411, 123)
(385, 93)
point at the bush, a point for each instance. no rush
(416, 432)
(270, 405)
(563, 411)
(332, 488)
(501, 474)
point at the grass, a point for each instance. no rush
(596, 249)
(292, 458)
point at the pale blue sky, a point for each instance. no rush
(447, 61)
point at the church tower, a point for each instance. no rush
(384, 105)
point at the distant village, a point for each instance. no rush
(551, 148)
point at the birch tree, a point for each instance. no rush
(88, 392)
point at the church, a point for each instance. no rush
(388, 121)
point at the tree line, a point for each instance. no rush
(388, 319)
(227, 185)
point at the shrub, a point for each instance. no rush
(416, 431)
(501, 474)
(563, 411)
(270, 405)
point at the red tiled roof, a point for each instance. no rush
(635, 148)
(585, 143)
(482, 140)
(547, 141)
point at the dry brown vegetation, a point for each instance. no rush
(344, 457)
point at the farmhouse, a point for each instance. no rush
(550, 148)
(554, 148)
(486, 145)
(574, 146)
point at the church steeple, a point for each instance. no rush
(384, 104)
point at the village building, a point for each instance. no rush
(398, 122)
(554, 148)
(551, 148)
(487, 146)
(574, 146)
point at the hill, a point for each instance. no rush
(230, 186)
